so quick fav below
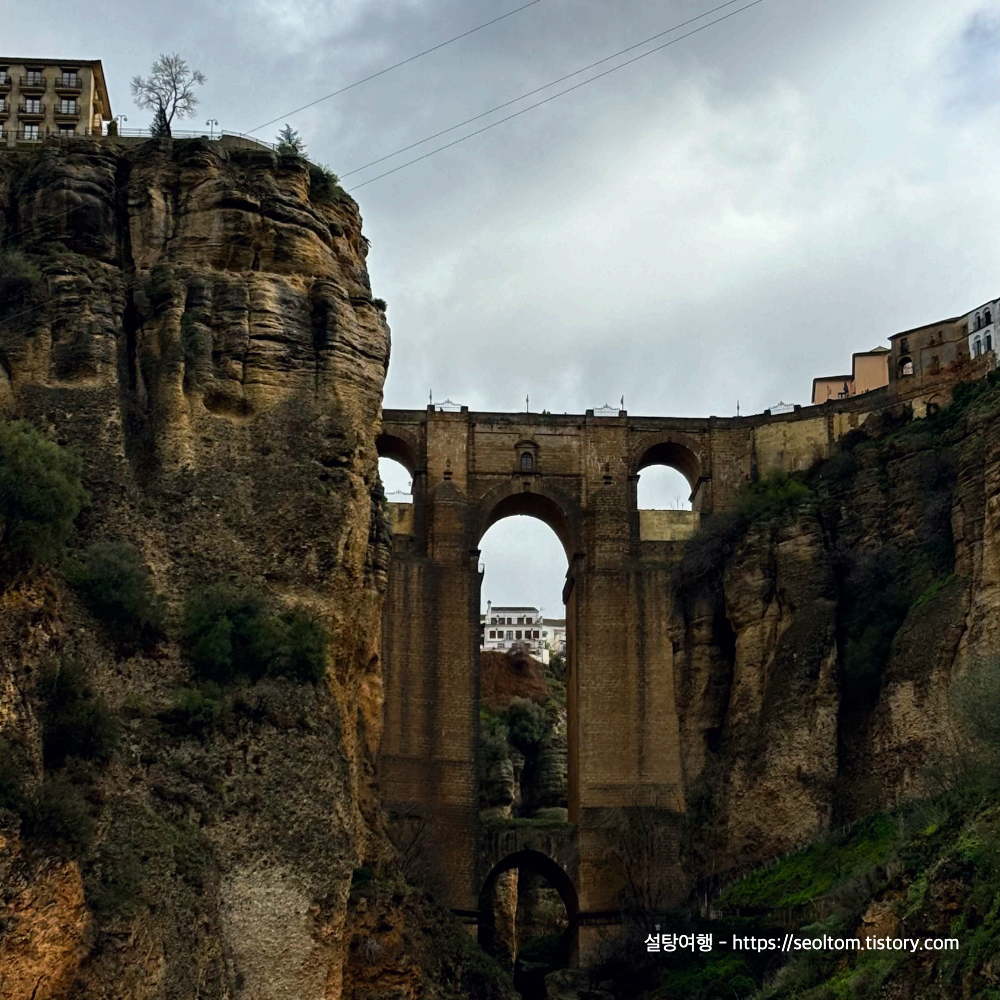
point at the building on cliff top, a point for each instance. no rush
(40, 97)
(950, 347)
(503, 628)
(869, 370)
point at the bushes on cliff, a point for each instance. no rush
(230, 632)
(54, 813)
(18, 276)
(40, 496)
(75, 721)
(324, 185)
(768, 500)
(115, 584)
(527, 724)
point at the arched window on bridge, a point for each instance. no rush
(905, 367)
(527, 461)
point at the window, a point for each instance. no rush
(30, 131)
(987, 318)
(493, 633)
(67, 130)
(69, 78)
(4, 79)
(33, 77)
(905, 367)
(518, 634)
(520, 620)
(935, 363)
(977, 347)
(904, 345)
(510, 635)
(67, 106)
(989, 342)
(979, 322)
(545, 634)
(33, 105)
(527, 462)
(534, 635)
(510, 621)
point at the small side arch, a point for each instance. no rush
(398, 449)
(670, 450)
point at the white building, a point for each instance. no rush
(505, 627)
(983, 329)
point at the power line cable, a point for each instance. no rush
(53, 222)
(531, 107)
(538, 90)
(389, 69)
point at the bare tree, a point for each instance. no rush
(168, 91)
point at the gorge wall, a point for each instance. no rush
(818, 634)
(198, 326)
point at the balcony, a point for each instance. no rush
(69, 81)
(26, 135)
(23, 111)
(32, 82)
(5, 82)
(66, 116)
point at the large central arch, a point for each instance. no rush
(551, 507)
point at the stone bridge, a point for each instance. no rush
(579, 475)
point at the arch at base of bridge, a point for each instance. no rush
(551, 871)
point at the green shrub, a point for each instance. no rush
(767, 500)
(57, 814)
(195, 711)
(75, 723)
(301, 653)
(114, 583)
(324, 185)
(40, 495)
(527, 724)
(18, 276)
(772, 497)
(230, 633)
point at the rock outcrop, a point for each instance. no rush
(202, 333)
(816, 648)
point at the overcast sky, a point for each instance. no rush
(721, 221)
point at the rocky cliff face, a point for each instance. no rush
(820, 632)
(202, 333)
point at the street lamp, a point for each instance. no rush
(211, 123)
(118, 119)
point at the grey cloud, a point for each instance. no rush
(724, 220)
